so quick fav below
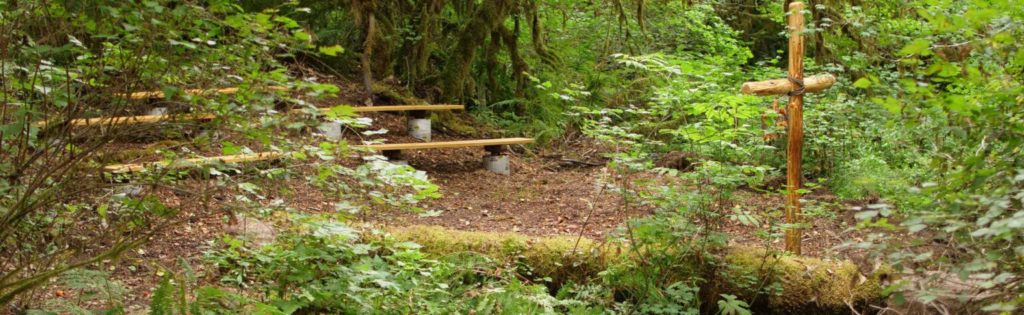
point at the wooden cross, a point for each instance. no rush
(795, 86)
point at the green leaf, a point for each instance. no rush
(340, 112)
(249, 187)
(1018, 60)
(301, 36)
(960, 104)
(236, 21)
(891, 104)
(286, 21)
(733, 306)
(862, 83)
(288, 307)
(408, 245)
(332, 50)
(230, 148)
(11, 130)
(919, 46)
(102, 211)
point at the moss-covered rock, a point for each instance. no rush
(809, 285)
(456, 123)
(394, 95)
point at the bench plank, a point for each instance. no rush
(404, 108)
(446, 144)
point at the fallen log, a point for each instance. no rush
(148, 119)
(195, 92)
(809, 285)
(126, 120)
(187, 163)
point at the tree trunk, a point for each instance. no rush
(367, 66)
(473, 35)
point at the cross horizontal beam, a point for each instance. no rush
(812, 84)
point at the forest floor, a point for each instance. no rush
(560, 189)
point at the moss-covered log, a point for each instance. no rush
(809, 285)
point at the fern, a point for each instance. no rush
(163, 300)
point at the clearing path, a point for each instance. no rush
(562, 191)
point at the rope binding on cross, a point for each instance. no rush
(801, 88)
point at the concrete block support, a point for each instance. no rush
(157, 111)
(497, 164)
(395, 157)
(496, 160)
(419, 128)
(419, 125)
(331, 130)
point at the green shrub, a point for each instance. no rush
(325, 266)
(868, 177)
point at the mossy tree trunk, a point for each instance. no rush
(367, 66)
(486, 18)
(450, 51)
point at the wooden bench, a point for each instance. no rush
(496, 161)
(386, 147)
(403, 108)
(394, 149)
(147, 119)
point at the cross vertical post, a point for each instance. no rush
(795, 122)
(795, 86)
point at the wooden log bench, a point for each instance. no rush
(496, 161)
(418, 124)
(391, 150)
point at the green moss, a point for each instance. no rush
(148, 152)
(456, 124)
(397, 96)
(825, 286)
